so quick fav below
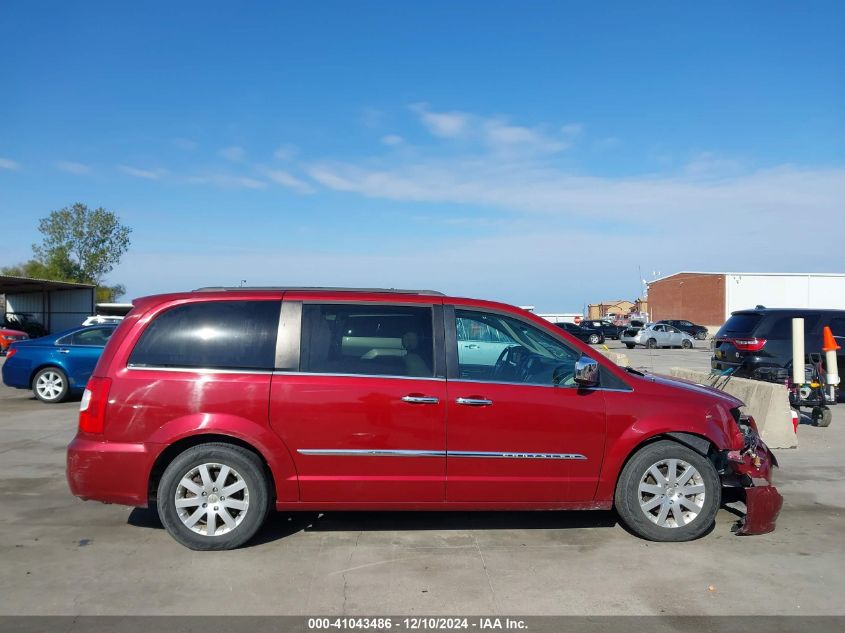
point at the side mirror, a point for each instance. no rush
(586, 372)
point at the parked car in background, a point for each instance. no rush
(586, 334)
(698, 332)
(657, 335)
(100, 319)
(58, 365)
(757, 343)
(24, 322)
(608, 329)
(8, 336)
(219, 405)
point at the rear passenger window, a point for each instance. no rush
(92, 337)
(213, 335)
(781, 327)
(372, 340)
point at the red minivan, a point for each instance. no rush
(219, 405)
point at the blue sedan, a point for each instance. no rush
(57, 365)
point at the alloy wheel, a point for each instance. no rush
(671, 493)
(212, 499)
(50, 385)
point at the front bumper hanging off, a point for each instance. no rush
(753, 468)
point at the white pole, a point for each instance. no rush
(831, 365)
(798, 351)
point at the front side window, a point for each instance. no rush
(212, 335)
(497, 348)
(372, 340)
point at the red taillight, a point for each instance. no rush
(11, 352)
(749, 344)
(92, 409)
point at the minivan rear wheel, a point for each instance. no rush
(214, 496)
(668, 492)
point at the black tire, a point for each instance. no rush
(700, 336)
(651, 343)
(630, 345)
(822, 416)
(50, 385)
(686, 344)
(247, 465)
(627, 498)
(594, 339)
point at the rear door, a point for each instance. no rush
(514, 435)
(360, 399)
(82, 350)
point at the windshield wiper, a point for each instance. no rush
(631, 370)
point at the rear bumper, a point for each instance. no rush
(762, 500)
(109, 471)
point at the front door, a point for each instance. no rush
(365, 417)
(519, 428)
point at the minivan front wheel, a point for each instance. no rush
(668, 492)
(213, 496)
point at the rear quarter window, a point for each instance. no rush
(211, 334)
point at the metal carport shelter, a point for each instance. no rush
(57, 305)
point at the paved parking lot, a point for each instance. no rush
(61, 555)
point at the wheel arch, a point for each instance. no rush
(699, 443)
(281, 473)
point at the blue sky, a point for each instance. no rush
(536, 153)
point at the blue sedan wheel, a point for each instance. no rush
(50, 385)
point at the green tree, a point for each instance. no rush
(82, 244)
(78, 244)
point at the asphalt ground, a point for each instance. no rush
(63, 556)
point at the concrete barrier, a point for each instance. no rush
(768, 402)
(619, 359)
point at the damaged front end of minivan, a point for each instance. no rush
(750, 469)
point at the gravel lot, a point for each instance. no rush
(65, 556)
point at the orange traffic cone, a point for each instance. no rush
(829, 344)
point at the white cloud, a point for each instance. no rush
(572, 129)
(609, 142)
(392, 139)
(286, 179)
(286, 152)
(71, 167)
(443, 124)
(185, 144)
(227, 181)
(778, 194)
(502, 136)
(149, 174)
(8, 163)
(233, 153)
(496, 133)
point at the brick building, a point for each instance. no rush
(709, 298)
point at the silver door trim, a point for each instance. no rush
(368, 452)
(515, 455)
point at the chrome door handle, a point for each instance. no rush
(474, 402)
(472, 346)
(420, 399)
(64, 351)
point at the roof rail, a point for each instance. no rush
(397, 291)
